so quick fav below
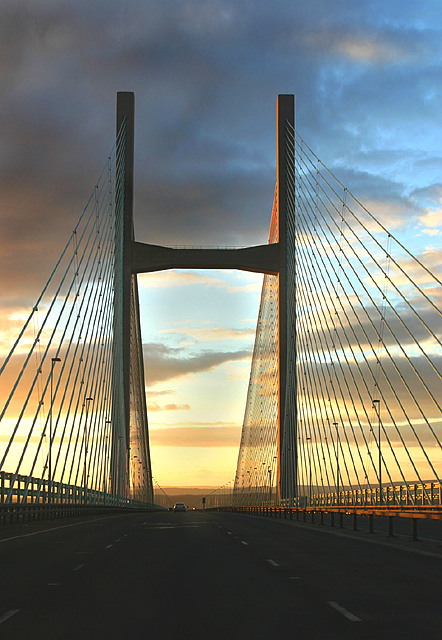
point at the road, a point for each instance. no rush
(211, 575)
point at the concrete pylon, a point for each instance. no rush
(125, 156)
(285, 118)
(271, 259)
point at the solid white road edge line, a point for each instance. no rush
(8, 615)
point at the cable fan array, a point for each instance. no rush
(63, 437)
(364, 374)
(255, 480)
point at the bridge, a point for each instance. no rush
(343, 410)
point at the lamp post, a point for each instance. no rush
(269, 470)
(88, 400)
(310, 472)
(377, 408)
(53, 361)
(335, 424)
(119, 467)
(276, 479)
(105, 462)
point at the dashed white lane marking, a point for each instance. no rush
(109, 546)
(118, 540)
(8, 614)
(272, 562)
(78, 567)
(244, 542)
(229, 533)
(344, 612)
(295, 578)
(83, 553)
(53, 584)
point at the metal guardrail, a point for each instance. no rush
(20, 492)
(414, 513)
(404, 495)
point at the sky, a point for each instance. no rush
(206, 74)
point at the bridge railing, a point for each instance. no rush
(24, 491)
(404, 495)
(429, 493)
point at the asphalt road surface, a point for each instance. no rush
(212, 575)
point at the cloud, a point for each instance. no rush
(432, 219)
(153, 406)
(210, 334)
(205, 150)
(169, 279)
(165, 363)
(357, 46)
(201, 436)
(160, 392)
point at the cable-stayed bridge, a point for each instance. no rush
(343, 406)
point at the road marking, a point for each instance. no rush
(178, 526)
(244, 542)
(8, 614)
(78, 567)
(272, 562)
(229, 533)
(295, 578)
(109, 546)
(118, 540)
(64, 526)
(83, 553)
(53, 584)
(344, 612)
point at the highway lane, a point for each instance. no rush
(210, 575)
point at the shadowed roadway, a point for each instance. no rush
(210, 575)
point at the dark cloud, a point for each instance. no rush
(165, 363)
(206, 74)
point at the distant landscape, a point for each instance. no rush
(191, 496)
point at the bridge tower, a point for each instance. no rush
(287, 440)
(276, 259)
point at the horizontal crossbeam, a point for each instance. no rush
(147, 258)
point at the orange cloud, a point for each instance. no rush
(208, 436)
(154, 406)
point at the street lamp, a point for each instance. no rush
(377, 408)
(276, 479)
(269, 470)
(88, 400)
(310, 473)
(119, 467)
(53, 361)
(335, 424)
(105, 460)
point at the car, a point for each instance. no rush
(180, 506)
